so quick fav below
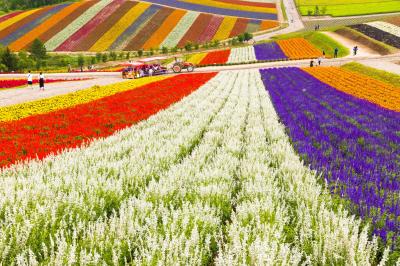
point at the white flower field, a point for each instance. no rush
(211, 180)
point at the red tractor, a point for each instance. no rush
(179, 65)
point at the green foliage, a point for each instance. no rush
(104, 58)
(9, 60)
(38, 50)
(322, 41)
(128, 55)
(164, 50)
(140, 53)
(113, 56)
(99, 56)
(381, 75)
(7, 5)
(81, 60)
(189, 46)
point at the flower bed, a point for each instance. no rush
(13, 83)
(40, 135)
(299, 48)
(216, 57)
(378, 34)
(352, 142)
(269, 51)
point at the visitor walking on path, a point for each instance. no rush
(41, 81)
(312, 63)
(336, 53)
(30, 79)
(319, 60)
(355, 50)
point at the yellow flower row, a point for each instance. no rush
(19, 111)
(197, 58)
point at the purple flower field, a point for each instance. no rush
(269, 51)
(354, 144)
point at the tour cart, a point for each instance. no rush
(144, 68)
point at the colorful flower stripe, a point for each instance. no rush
(299, 48)
(107, 39)
(351, 141)
(40, 135)
(197, 58)
(233, 6)
(65, 21)
(387, 27)
(240, 27)
(225, 29)
(180, 29)
(216, 10)
(248, 3)
(242, 54)
(216, 57)
(9, 15)
(268, 24)
(29, 37)
(13, 20)
(211, 29)
(103, 28)
(19, 111)
(13, 83)
(269, 51)
(164, 30)
(253, 26)
(25, 21)
(83, 32)
(74, 26)
(122, 41)
(377, 34)
(194, 32)
(10, 38)
(148, 30)
(360, 86)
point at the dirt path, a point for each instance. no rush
(363, 50)
(383, 65)
(21, 95)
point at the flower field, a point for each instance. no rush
(128, 25)
(352, 142)
(293, 49)
(14, 83)
(386, 32)
(196, 169)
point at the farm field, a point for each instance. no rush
(382, 31)
(203, 109)
(341, 8)
(15, 83)
(121, 25)
(207, 147)
(293, 49)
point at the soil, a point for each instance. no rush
(363, 49)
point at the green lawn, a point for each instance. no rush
(339, 8)
(381, 75)
(319, 40)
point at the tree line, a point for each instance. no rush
(9, 5)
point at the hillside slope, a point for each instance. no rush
(100, 25)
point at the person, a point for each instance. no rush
(312, 63)
(151, 71)
(323, 53)
(30, 79)
(355, 50)
(41, 81)
(319, 60)
(336, 52)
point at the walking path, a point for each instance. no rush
(383, 65)
(294, 20)
(21, 95)
(363, 50)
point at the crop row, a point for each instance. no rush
(215, 180)
(381, 31)
(296, 48)
(352, 142)
(14, 83)
(118, 24)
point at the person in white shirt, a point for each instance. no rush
(41, 81)
(30, 79)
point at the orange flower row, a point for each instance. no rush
(359, 85)
(299, 48)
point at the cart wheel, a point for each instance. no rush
(177, 68)
(190, 69)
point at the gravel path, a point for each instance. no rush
(21, 95)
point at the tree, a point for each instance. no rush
(25, 62)
(104, 58)
(247, 36)
(140, 53)
(128, 55)
(81, 60)
(38, 50)
(188, 46)
(9, 60)
(316, 12)
(99, 56)
(164, 50)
